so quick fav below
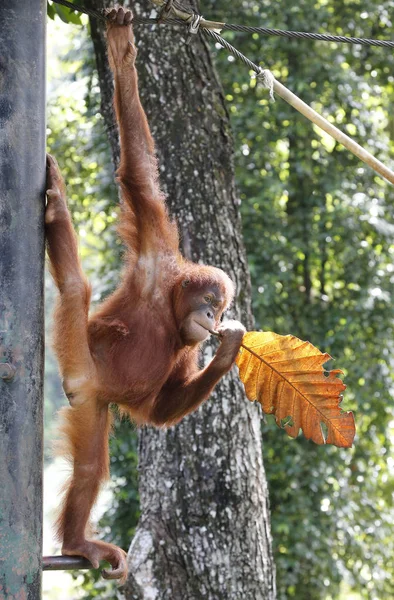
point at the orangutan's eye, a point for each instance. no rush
(208, 299)
(185, 283)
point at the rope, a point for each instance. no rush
(206, 26)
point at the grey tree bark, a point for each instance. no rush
(204, 530)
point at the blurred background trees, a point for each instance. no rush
(319, 231)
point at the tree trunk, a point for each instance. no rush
(204, 529)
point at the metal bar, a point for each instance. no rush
(65, 563)
(22, 178)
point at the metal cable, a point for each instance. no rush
(310, 36)
(100, 16)
(87, 11)
(218, 38)
(157, 21)
(272, 84)
(208, 32)
(242, 28)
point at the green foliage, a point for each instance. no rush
(66, 14)
(53, 391)
(76, 136)
(121, 518)
(119, 522)
(320, 241)
(319, 234)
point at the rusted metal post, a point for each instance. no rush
(22, 181)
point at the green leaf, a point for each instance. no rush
(50, 11)
(75, 17)
(67, 15)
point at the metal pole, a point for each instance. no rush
(65, 563)
(22, 181)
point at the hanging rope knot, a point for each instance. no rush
(194, 27)
(267, 79)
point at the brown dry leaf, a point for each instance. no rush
(287, 377)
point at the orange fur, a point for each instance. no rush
(140, 348)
